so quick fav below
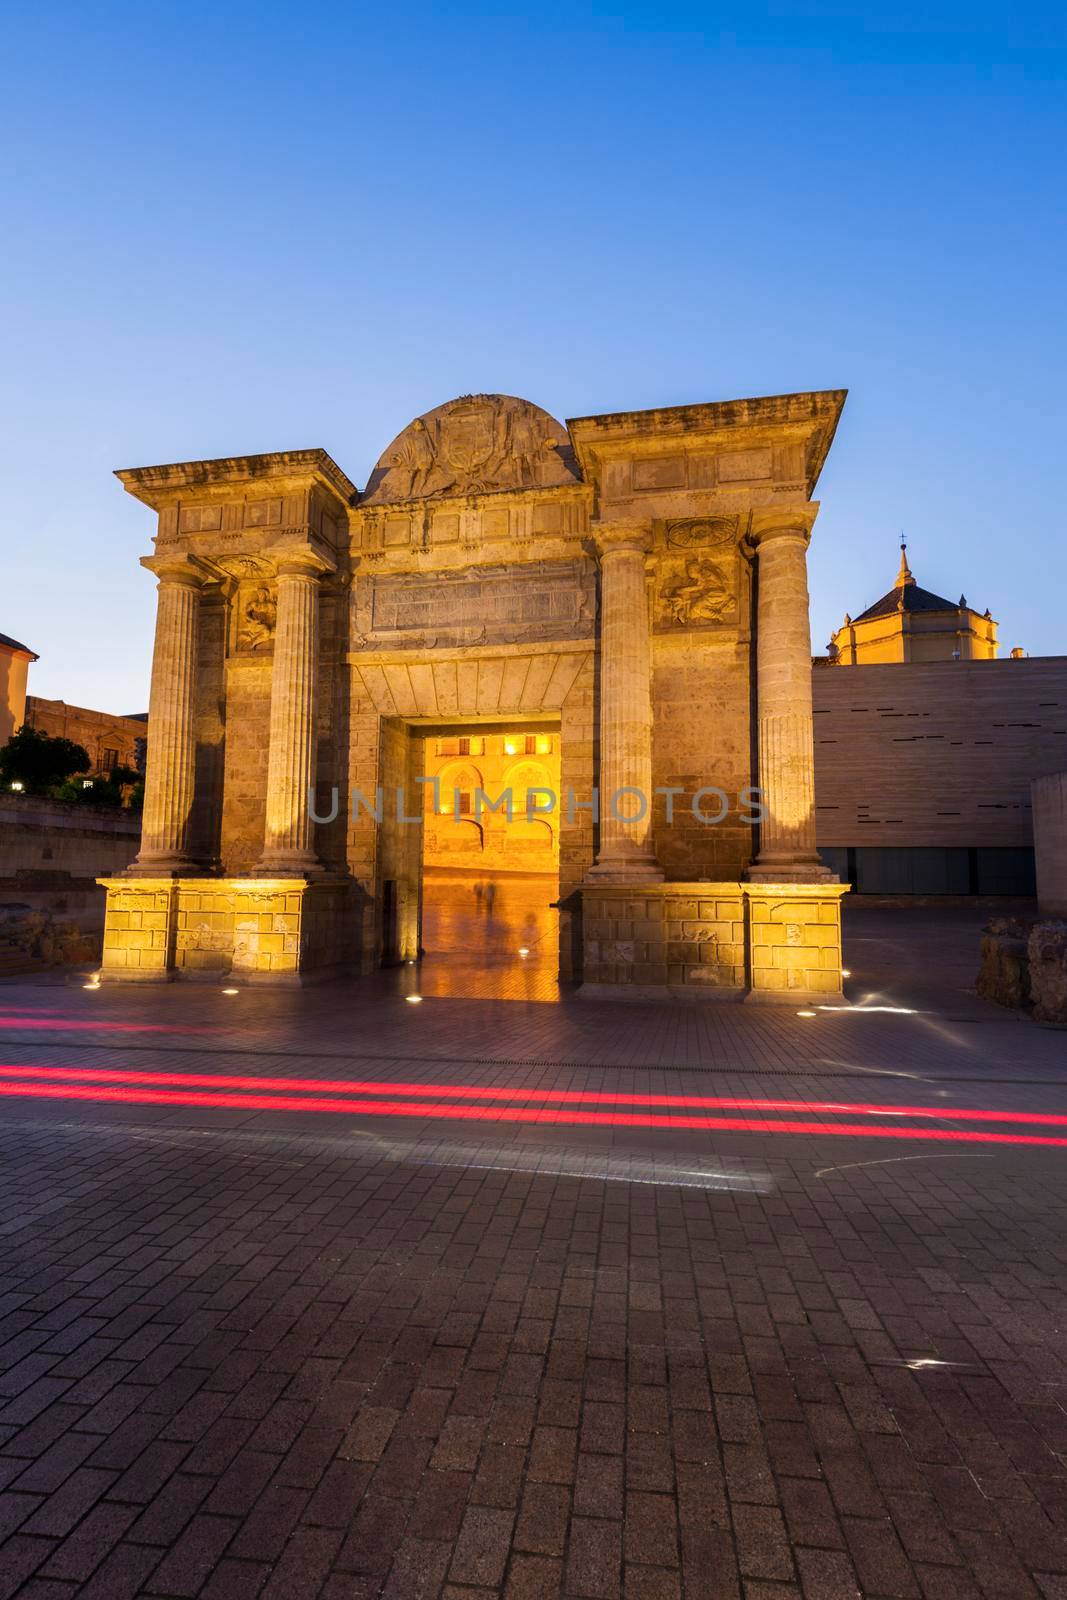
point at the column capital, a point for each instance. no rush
(796, 523)
(302, 562)
(181, 570)
(612, 537)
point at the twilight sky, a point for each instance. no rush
(236, 228)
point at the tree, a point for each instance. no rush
(120, 786)
(38, 762)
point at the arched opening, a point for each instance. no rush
(490, 860)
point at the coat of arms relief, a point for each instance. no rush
(474, 445)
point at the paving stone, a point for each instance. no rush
(267, 1354)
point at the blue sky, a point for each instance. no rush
(239, 228)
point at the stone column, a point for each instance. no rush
(171, 763)
(785, 742)
(625, 851)
(287, 849)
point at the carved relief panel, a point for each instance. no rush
(698, 574)
(253, 605)
(474, 445)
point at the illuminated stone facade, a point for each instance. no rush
(633, 584)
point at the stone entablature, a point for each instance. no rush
(600, 574)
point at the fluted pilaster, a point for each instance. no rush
(625, 708)
(287, 847)
(785, 739)
(170, 770)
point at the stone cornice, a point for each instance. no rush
(472, 500)
(162, 485)
(816, 413)
(391, 656)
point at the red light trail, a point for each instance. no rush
(436, 1102)
(590, 1097)
(22, 1024)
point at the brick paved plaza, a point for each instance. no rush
(326, 1293)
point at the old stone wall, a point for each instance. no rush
(53, 851)
(203, 929)
(708, 940)
(109, 741)
(701, 738)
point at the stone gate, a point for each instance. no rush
(635, 580)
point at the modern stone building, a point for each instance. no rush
(926, 747)
(923, 772)
(632, 584)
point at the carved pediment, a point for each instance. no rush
(474, 445)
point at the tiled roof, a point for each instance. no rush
(914, 599)
(8, 643)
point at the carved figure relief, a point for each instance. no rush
(413, 460)
(696, 593)
(259, 617)
(474, 445)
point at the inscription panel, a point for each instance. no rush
(480, 605)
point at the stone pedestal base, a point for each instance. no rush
(815, 873)
(647, 871)
(252, 930)
(700, 941)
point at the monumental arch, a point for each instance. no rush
(634, 583)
